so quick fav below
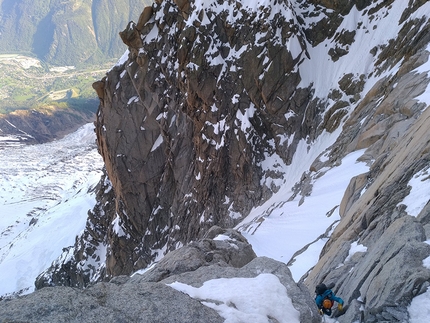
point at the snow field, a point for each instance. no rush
(45, 195)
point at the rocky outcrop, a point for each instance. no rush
(220, 247)
(148, 297)
(47, 124)
(380, 283)
(384, 279)
(186, 119)
(108, 302)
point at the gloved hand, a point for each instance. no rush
(321, 312)
(340, 307)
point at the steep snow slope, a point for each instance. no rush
(372, 31)
(280, 227)
(323, 73)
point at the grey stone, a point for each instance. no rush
(233, 250)
(390, 273)
(148, 298)
(105, 302)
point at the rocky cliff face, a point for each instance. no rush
(396, 141)
(43, 125)
(202, 116)
(189, 117)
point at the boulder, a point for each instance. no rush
(226, 248)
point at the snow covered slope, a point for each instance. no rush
(324, 74)
(45, 193)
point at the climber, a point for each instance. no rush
(325, 299)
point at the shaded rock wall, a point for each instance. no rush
(187, 118)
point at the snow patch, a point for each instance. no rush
(419, 310)
(418, 196)
(355, 247)
(133, 99)
(117, 228)
(157, 143)
(262, 299)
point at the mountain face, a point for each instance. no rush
(44, 125)
(213, 104)
(65, 32)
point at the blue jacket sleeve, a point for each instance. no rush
(336, 299)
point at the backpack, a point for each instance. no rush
(320, 289)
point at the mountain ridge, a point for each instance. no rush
(217, 102)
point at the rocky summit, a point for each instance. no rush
(214, 102)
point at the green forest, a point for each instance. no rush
(52, 51)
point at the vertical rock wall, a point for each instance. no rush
(201, 98)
